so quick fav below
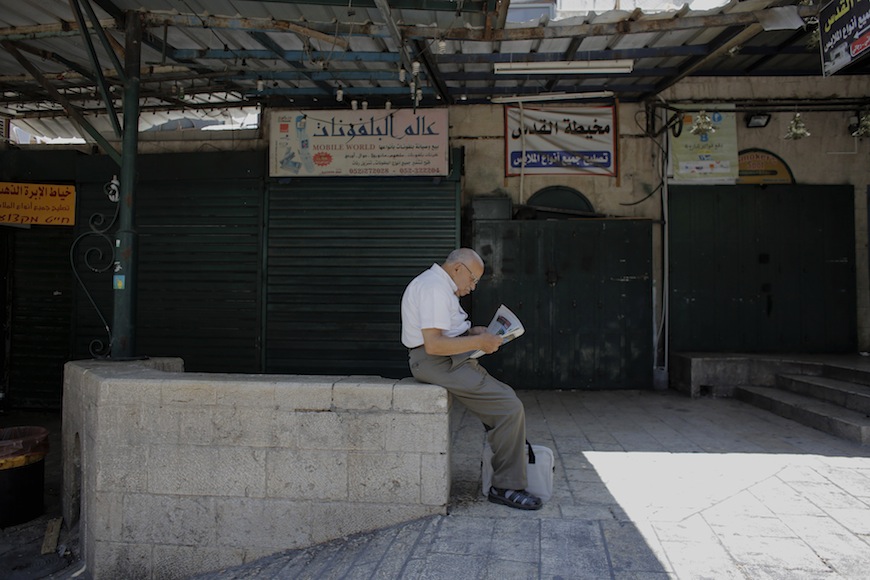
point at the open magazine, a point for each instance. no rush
(504, 323)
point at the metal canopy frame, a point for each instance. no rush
(280, 53)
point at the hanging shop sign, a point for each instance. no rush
(761, 167)
(361, 143)
(37, 204)
(705, 151)
(560, 141)
(844, 33)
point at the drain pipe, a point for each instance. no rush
(660, 373)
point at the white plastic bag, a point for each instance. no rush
(539, 473)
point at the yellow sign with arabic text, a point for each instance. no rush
(37, 203)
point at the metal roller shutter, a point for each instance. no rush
(340, 253)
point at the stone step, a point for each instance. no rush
(851, 374)
(845, 394)
(827, 417)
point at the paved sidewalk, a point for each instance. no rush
(648, 485)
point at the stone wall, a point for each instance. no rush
(174, 473)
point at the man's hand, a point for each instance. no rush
(489, 342)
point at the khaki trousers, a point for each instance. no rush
(492, 401)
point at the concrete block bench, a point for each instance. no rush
(175, 473)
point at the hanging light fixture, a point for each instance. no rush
(863, 129)
(339, 95)
(702, 124)
(796, 128)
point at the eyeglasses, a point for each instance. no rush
(474, 279)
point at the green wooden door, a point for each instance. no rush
(762, 269)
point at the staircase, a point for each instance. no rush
(836, 401)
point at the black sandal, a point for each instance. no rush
(521, 499)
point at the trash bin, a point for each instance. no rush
(22, 474)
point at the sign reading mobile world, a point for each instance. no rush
(362, 143)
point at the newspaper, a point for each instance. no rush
(504, 323)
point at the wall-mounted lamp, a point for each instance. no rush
(756, 120)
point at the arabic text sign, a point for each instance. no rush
(844, 33)
(359, 143)
(560, 141)
(35, 203)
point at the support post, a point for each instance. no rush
(124, 280)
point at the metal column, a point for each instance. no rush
(124, 280)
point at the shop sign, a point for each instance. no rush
(37, 204)
(560, 141)
(359, 143)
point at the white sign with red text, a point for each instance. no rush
(362, 143)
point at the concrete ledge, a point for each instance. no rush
(174, 473)
(697, 374)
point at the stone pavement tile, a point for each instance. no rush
(777, 573)
(463, 536)
(388, 550)
(582, 475)
(856, 520)
(748, 525)
(785, 553)
(854, 481)
(629, 550)
(782, 499)
(573, 549)
(638, 441)
(590, 492)
(447, 567)
(572, 448)
(701, 561)
(743, 503)
(840, 549)
(503, 569)
(801, 473)
(828, 496)
(517, 541)
(593, 512)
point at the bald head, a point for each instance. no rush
(465, 256)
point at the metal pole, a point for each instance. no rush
(124, 280)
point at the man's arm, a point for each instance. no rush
(435, 343)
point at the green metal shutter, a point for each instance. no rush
(340, 253)
(40, 317)
(199, 218)
(40, 288)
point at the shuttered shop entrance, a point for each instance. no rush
(339, 255)
(199, 220)
(757, 269)
(38, 286)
